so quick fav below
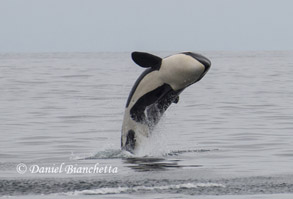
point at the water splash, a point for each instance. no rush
(156, 145)
(111, 154)
(150, 151)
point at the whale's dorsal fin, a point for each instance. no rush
(146, 60)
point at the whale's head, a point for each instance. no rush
(179, 70)
(201, 59)
(184, 69)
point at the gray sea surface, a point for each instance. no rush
(229, 136)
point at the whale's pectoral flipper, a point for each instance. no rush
(155, 111)
(146, 60)
(130, 141)
(137, 112)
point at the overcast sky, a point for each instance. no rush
(151, 25)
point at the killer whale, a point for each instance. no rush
(155, 90)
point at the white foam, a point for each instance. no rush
(110, 154)
(117, 190)
(102, 191)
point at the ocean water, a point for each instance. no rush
(230, 135)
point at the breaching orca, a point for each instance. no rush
(155, 90)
